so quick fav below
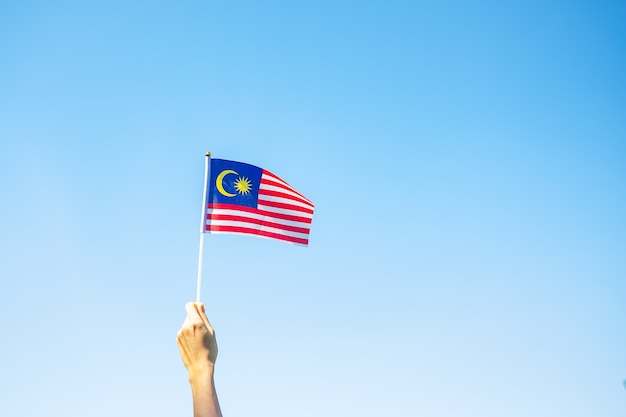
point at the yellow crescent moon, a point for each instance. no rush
(219, 182)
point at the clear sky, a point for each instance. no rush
(467, 161)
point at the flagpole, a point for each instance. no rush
(203, 223)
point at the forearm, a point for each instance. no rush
(205, 403)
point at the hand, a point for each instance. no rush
(196, 341)
(198, 348)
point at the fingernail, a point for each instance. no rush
(202, 307)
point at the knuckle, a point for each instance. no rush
(184, 332)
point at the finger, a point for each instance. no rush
(205, 319)
(179, 342)
(184, 351)
(192, 313)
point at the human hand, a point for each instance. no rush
(196, 341)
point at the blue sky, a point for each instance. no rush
(466, 160)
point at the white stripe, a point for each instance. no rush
(284, 211)
(257, 227)
(259, 217)
(282, 190)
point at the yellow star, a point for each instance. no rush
(243, 185)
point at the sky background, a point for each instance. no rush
(467, 161)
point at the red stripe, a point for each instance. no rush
(285, 206)
(282, 195)
(269, 178)
(246, 230)
(260, 212)
(257, 221)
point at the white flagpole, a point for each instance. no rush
(203, 222)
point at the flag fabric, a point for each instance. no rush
(245, 199)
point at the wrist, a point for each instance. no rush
(202, 374)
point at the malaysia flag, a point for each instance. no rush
(245, 199)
